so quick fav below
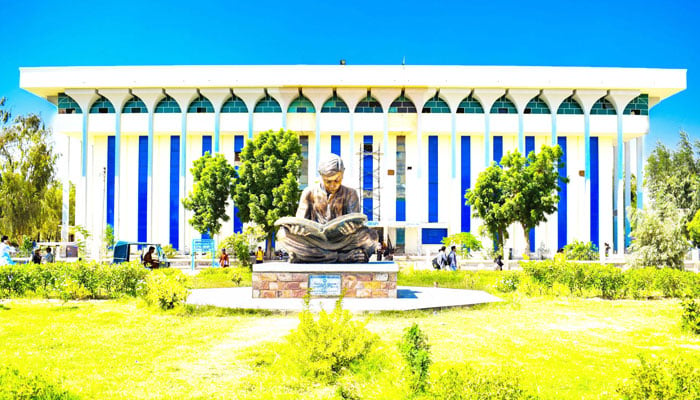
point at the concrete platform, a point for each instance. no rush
(409, 298)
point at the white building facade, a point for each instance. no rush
(413, 138)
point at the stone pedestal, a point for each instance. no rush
(286, 280)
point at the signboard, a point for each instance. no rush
(203, 246)
(325, 285)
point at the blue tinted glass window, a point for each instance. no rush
(134, 106)
(334, 105)
(638, 106)
(301, 105)
(570, 106)
(436, 105)
(234, 105)
(402, 105)
(368, 105)
(200, 105)
(603, 107)
(267, 105)
(470, 105)
(167, 105)
(102, 106)
(66, 105)
(537, 106)
(503, 106)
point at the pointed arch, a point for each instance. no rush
(301, 105)
(335, 105)
(234, 104)
(102, 106)
(537, 106)
(402, 105)
(134, 106)
(436, 105)
(368, 105)
(167, 105)
(267, 104)
(66, 105)
(200, 105)
(570, 106)
(603, 107)
(470, 105)
(503, 106)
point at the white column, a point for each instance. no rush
(351, 96)
(183, 97)
(150, 98)
(487, 97)
(317, 96)
(640, 171)
(83, 205)
(628, 193)
(65, 208)
(250, 97)
(118, 97)
(520, 98)
(217, 97)
(620, 99)
(385, 96)
(284, 96)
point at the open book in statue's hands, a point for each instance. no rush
(332, 230)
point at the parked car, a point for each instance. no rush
(122, 252)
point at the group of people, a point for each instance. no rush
(6, 251)
(224, 261)
(446, 260)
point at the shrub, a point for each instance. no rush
(16, 385)
(323, 348)
(671, 282)
(640, 282)
(166, 288)
(466, 383)
(238, 242)
(508, 283)
(415, 350)
(169, 251)
(690, 317)
(78, 280)
(608, 279)
(659, 240)
(581, 251)
(465, 243)
(662, 380)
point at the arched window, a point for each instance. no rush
(301, 105)
(436, 105)
(368, 105)
(503, 106)
(570, 106)
(638, 106)
(470, 105)
(402, 105)
(134, 106)
(334, 105)
(167, 105)
(537, 106)
(200, 105)
(66, 105)
(234, 105)
(267, 104)
(102, 106)
(603, 107)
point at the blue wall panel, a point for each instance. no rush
(433, 235)
(595, 185)
(466, 182)
(142, 213)
(433, 178)
(530, 146)
(561, 214)
(367, 178)
(238, 143)
(110, 180)
(335, 145)
(400, 209)
(175, 191)
(497, 149)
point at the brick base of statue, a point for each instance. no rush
(286, 280)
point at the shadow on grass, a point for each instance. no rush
(191, 310)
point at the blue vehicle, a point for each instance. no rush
(122, 252)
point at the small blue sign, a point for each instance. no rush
(325, 285)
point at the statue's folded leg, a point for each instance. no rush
(303, 249)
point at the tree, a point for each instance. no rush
(489, 199)
(673, 176)
(693, 228)
(214, 179)
(267, 188)
(26, 171)
(658, 237)
(532, 186)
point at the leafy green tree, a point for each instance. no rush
(214, 180)
(674, 176)
(26, 171)
(465, 243)
(267, 188)
(489, 199)
(693, 228)
(581, 251)
(658, 239)
(51, 211)
(532, 186)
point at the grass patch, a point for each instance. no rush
(209, 278)
(474, 280)
(561, 348)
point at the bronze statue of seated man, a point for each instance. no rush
(328, 227)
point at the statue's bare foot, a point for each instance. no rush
(355, 256)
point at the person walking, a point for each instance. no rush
(49, 257)
(259, 256)
(36, 256)
(5, 250)
(452, 258)
(442, 258)
(223, 259)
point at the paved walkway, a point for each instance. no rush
(409, 298)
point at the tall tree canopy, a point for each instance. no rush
(214, 179)
(267, 188)
(674, 176)
(27, 163)
(532, 185)
(522, 190)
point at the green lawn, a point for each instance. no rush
(565, 348)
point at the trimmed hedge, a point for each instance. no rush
(611, 282)
(68, 281)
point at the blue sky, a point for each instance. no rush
(657, 34)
